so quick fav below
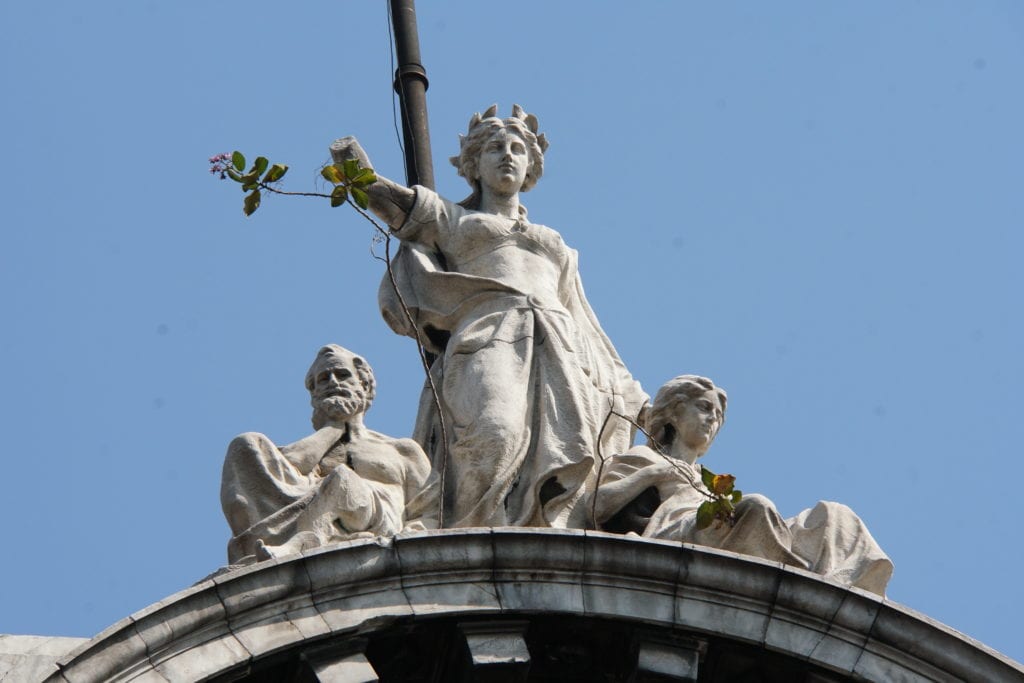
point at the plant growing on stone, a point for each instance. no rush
(722, 506)
(349, 179)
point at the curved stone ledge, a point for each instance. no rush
(360, 587)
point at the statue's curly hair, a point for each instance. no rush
(677, 389)
(481, 128)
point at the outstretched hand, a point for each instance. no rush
(390, 201)
(348, 147)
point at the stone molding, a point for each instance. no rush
(32, 658)
(357, 587)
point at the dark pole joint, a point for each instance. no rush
(411, 71)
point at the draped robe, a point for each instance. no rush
(640, 492)
(375, 487)
(525, 375)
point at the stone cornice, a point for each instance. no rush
(354, 588)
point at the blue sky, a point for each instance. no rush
(818, 205)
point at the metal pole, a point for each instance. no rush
(411, 86)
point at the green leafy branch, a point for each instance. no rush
(724, 497)
(350, 181)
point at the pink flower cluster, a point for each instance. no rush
(220, 163)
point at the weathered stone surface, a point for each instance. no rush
(497, 650)
(341, 662)
(620, 582)
(524, 372)
(203, 657)
(150, 676)
(308, 621)
(844, 638)
(166, 626)
(802, 612)
(467, 564)
(363, 583)
(656, 490)
(273, 582)
(270, 606)
(360, 588)
(897, 633)
(554, 584)
(343, 481)
(32, 658)
(751, 586)
(667, 659)
(106, 655)
(353, 668)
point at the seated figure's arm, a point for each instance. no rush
(371, 490)
(306, 453)
(356, 503)
(625, 477)
(390, 201)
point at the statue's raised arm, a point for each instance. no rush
(389, 200)
(524, 373)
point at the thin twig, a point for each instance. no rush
(270, 188)
(419, 347)
(685, 472)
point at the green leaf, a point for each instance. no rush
(705, 515)
(238, 160)
(339, 195)
(351, 168)
(234, 175)
(737, 496)
(365, 178)
(722, 484)
(275, 173)
(707, 477)
(252, 202)
(360, 197)
(260, 165)
(331, 174)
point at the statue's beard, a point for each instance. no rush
(338, 408)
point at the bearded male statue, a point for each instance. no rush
(655, 490)
(343, 481)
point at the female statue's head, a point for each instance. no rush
(484, 127)
(689, 409)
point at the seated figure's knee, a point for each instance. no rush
(829, 512)
(755, 503)
(248, 443)
(757, 511)
(247, 456)
(248, 451)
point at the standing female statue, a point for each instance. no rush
(524, 373)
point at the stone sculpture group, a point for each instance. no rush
(525, 379)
